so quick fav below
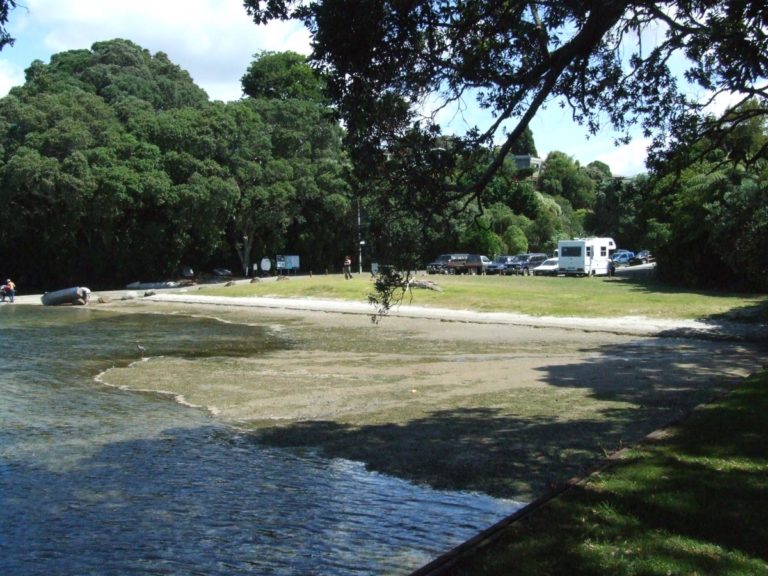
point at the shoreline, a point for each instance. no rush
(627, 325)
(496, 403)
(620, 325)
(739, 329)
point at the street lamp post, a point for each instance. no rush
(246, 255)
(360, 242)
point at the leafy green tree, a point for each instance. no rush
(115, 158)
(707, 222)
(49, 185)
(715, 228)
(562, 176)
(525, 144)
(571, 223)
(599, 172)
(300, 188)
(513, 188)
(80, 168)
(739, 223)
(5, 8)
(282, 76)
(544, 232)
(500, 217)
(478, 237)
(115, 70)
(515, 240)
(514, 57)
(620, 211)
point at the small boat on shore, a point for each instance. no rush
(77, 295)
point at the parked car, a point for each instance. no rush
(550, 267)
(622, 259)
(472, 264)
(222, 272)
(623, 251)
(642, 257)
(524, 263)
(499, 264)
(509, 267)
(441, 264)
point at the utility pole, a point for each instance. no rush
(360, 241)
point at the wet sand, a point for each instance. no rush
(462, 401)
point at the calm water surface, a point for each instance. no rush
(95, 480)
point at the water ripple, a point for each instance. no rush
(99, 481)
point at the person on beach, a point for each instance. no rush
(9, 290)
(347, 267)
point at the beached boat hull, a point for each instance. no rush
(75, 295)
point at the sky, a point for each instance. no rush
(215, 41)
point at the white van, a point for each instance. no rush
(585, 256)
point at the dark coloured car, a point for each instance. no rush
(499, 264)
(524, 263)
(472, 264)
(642, 257)
(444, 264)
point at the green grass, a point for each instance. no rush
(538, 296)
(693, 503)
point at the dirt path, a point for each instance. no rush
(457, 400)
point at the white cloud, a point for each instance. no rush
(626, 160)
(722, 102)
(10, 76)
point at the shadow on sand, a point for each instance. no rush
(641, 388)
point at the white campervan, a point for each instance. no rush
(585, 256)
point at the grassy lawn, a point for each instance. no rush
(538, 296)
(694, 502)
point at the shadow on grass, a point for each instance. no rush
(692, 503)
(468, 449)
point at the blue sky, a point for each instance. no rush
(215, 40)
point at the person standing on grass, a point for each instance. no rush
(347, 267)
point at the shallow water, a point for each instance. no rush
(97, 480)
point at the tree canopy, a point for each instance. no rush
(282, 75)
(608, 62)
(115, 167)
(394, 67)
(5, 7)
(708, 222)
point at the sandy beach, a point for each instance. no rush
(504, 404)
